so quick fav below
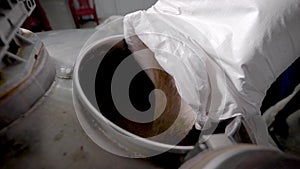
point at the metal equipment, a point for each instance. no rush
(49, 134)
(26, 70)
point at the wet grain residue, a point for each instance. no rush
(59, 136)
(79, 154)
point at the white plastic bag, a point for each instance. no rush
(223, 55)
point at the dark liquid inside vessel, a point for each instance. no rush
(139, 90)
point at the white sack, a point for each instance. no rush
(223, 55)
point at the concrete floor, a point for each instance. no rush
(60, 16)
(58, 13)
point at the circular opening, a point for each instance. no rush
(87, 69)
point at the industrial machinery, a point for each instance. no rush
(41, 102)
(26, 71)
